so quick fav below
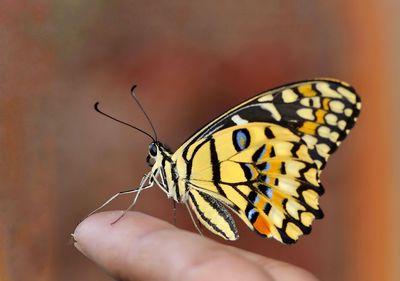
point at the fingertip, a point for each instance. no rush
(106, 243)
(94, 227)
(91, 231)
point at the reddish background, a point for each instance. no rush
(59, 159)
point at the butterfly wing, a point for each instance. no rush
(263, 158)
(212, 214)
(320, 111)
(272, 183)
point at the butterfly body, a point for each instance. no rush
(261, 160)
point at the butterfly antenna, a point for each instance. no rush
(96, 107)
(144, 112)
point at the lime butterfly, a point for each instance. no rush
(261, 160)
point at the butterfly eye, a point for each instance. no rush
(153, 150)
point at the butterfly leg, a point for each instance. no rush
(174, 211)
(145, 177)
(142, 186)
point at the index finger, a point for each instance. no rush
(140, 247)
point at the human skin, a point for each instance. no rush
(141, 247)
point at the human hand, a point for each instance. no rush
(140, 247)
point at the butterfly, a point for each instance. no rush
(261, 160)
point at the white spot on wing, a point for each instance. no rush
(267, 97)
(324, 132)
(331, 119)
(289, 96)
(306, 113)
(342, 124)
(315, 100)
(334, 136)
(336, 106)
(310, 140)
(305, 102)
(326, 91)
(322, 149)
(348, 112)
(239, 120)
(351, 97)
(272, 109)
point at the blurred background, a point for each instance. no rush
(192, 60)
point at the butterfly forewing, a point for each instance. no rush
(263, 158)
(321, 111)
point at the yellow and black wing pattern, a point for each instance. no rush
(263, 159)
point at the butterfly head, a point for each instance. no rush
(157, 151)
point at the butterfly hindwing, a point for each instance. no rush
(212, 214)
(272, 184)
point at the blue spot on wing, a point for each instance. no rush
(269, 192)
(266, 190)
(264, 167)
(259, 154)
(265, 178)
(241, 139)
(248, 171)
(251, 214)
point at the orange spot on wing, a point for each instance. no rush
(308, 128)
(320, 114)
(262, 226)
(307, 91)
(325, 103)
(275, 168)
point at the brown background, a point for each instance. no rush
(192, 61)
